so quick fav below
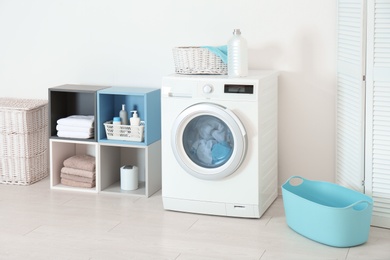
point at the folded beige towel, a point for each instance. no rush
(77, 178)
(78, 172)
(77, 183)
(81, 162)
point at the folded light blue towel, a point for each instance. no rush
(220, 51)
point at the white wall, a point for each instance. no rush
(45, 43)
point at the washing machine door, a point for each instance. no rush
(209, 141)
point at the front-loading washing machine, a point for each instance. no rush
(219, 143)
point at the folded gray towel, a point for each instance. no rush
(81, 162)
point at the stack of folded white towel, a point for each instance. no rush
(76, 126)
(79, 171)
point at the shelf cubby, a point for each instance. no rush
(61, 150)
(147, 158)
(67, 100)
(145, 100)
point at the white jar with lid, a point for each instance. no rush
(129, 177)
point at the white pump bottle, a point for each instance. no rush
(135, 120)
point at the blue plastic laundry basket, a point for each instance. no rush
(326, 212)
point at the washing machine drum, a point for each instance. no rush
(209, 141)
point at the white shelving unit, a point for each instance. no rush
(110, 155)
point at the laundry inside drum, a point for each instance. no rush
(208, 141)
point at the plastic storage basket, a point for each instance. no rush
(124, 132)
(24, 141)
(197, 60)
(326, 212)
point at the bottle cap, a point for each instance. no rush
(116, 119)
(237, 32)
(123, 106)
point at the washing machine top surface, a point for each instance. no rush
(252, 74)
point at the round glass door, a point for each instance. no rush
(208, 141)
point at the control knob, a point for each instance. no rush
(207, 89)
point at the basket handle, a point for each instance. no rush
(295, 180)
(360, 205)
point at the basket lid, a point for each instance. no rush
(21, 104)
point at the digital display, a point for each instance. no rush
(239, 89)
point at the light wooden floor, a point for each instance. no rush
(39, 223)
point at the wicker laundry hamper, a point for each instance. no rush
(23, 141)
(197, 60)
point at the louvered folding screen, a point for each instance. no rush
(378, 110)
(350, 94)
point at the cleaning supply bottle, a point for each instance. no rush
(237, 55)
(135, 120)
(123, 115)
(116, 121)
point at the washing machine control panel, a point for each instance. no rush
(218, 90)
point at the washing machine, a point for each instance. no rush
(219, 143)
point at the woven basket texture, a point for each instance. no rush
(197, 60)
(23, 140)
